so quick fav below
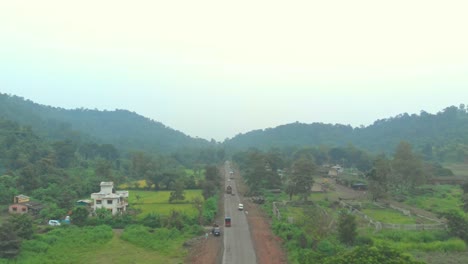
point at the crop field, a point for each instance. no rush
(158, 202)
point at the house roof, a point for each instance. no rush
(84, 201)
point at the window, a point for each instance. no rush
(23, 209)
(109, 201)
(98, 201)
(14, 208)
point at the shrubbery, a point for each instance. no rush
(63, 244)
(163, 240)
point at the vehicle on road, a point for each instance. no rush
(241, 207)
(229, 189)
(227, 221)
(216, 231)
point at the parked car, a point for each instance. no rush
(216, 231)
(241, 207)
(54, 222)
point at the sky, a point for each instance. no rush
(214, 69)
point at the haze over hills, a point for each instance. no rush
(434, 135)
(429, 133)
(122, 128)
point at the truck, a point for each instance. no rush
(229, 189)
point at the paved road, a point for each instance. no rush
(238, 246)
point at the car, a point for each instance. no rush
(216, 231)
(54, 222)
(241, 207)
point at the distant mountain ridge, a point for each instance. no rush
(122, 128)
(442, 136)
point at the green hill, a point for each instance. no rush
(124, 129)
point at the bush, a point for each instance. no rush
(366, 254)
(364, 241)
(160, 239)
(328, 247)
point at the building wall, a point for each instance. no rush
(17, 209)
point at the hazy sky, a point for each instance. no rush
(214, 69)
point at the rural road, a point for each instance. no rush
(238, 246)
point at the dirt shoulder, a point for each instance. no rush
(267, 246)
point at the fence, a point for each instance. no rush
(379, 225)
(276, 211)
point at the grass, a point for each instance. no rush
(158, 202)
(443, 198)
(428, 241)
(119, 251)
(389, 216)
(459, 169)
(94, 245)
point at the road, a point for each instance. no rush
(238, 246)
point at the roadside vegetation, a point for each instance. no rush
(347, 218)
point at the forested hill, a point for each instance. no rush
(442, 136)
(124, 129)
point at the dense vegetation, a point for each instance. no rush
(121, 128)
(58, 156)
(440, 137)
(56, 166)
(321, 232)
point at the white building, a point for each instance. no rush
(113, 201)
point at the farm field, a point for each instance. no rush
(158, 202)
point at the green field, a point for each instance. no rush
(459, 169)
(96, 245)
(158, 202)
(442, 198)
(389, 216)
(429, 241)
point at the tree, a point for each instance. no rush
(211, 173)
(407, 168)
(79, 216)
(371, 255)
(302, 177)
(347, 228)
(178, 194)
(22, 225)
(10, 243)
(208, 189)
(64, 153)
(316, 222)
(103, 169)
(457, 224)
(465, 196)
(379, 177)
(197, 203)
